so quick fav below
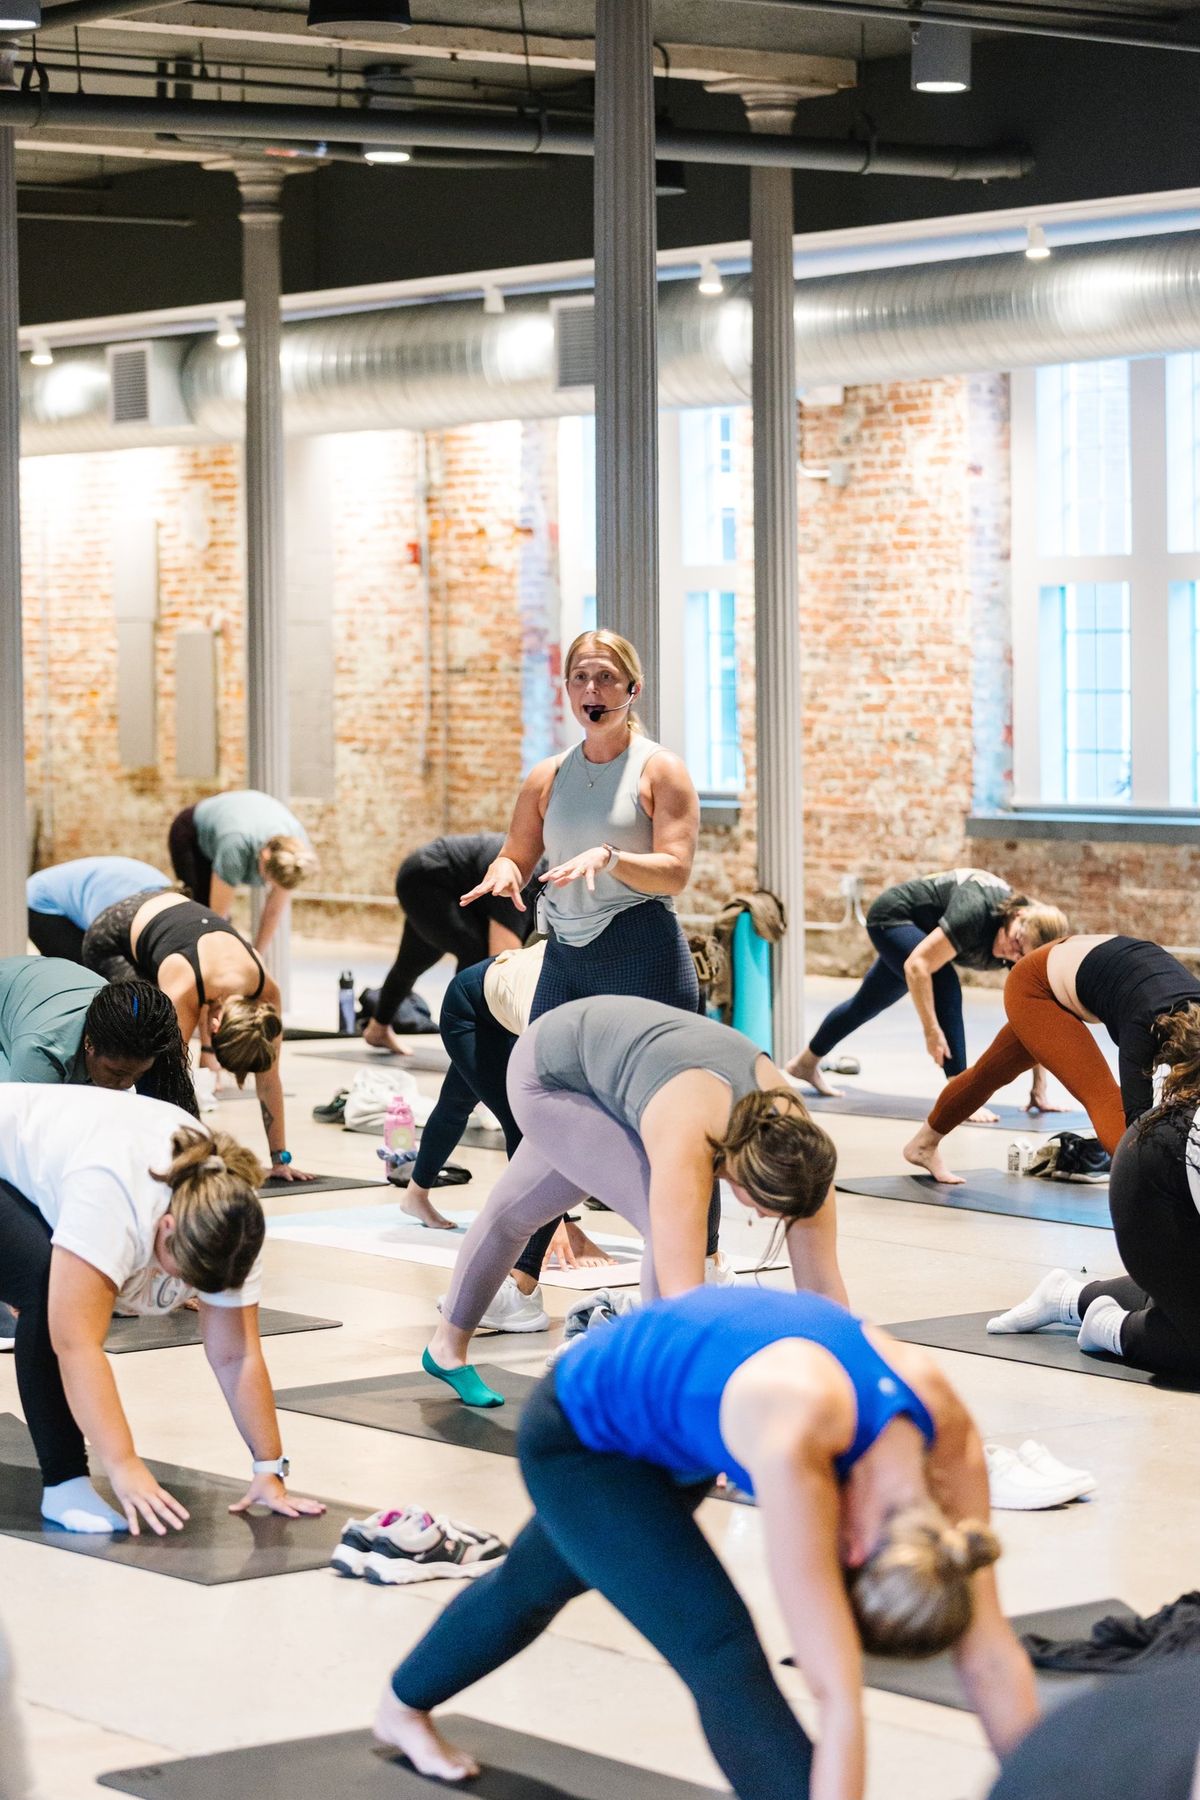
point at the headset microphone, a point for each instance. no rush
(596, 713)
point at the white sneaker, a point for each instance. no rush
(1036, 1456)
(8, 1328)
(359, 1537)
(418, 1547)
(1014, 1487)
(719, 1270)
(512, 1310)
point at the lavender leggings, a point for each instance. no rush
(570, 1146)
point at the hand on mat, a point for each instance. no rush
(938, 1048)
(503, 879)
(269, 1491)
(571, 1248)
(137, 1492)
(586, 866)
(289, 1172)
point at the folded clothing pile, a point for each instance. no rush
(406, 1544)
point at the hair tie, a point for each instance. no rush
(134, 1000)
(213, 1165)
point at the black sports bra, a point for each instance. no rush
(176, 931)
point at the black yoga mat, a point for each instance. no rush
(861, 1103)
(168, 1331)
(1050, 1349)
(323, 1184)
(935, 1679)
(214, 1546)
(417, 1405)
(310, 1034)
(427, 1054)
(514, 1767)
(994, 1191)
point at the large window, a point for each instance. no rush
(698, 512)
(1106, 579)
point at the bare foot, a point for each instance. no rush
(804, 1066)
(418, 1738)
(382, 1037)
(983, 1117)
(416, 1203)
(571, 1248)
(925, 1151)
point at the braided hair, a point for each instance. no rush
(134, 1020)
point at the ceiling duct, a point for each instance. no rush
(448, 363)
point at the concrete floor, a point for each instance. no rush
(121, 1667)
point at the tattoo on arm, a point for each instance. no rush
(268, 1117)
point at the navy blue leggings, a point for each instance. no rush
(884, 984)
(626, 1530)
(479, 1050)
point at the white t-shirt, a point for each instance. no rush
(83, 1156)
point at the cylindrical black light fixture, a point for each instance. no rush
(941, 59)
(359, 18)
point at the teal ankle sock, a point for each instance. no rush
(467, 1383)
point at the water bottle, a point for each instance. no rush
(399, 1126)
(346, 1003)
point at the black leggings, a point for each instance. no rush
(479, 1050)
(53, 935)
(107, 946)
(625, 1529)
(188, 860)
(25, 1283)
(884, 984)
(435, 925)
(1157, 1228)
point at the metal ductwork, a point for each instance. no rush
(449, 363)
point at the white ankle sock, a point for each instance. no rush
(1054, 1301)
(1101, 1328)
(76, 1506)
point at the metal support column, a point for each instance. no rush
(14, 828)
(627, 336)
(776, 573)
(267, 757)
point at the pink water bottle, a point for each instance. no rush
(399, 1126)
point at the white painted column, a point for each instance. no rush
(626, 336)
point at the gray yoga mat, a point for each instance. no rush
(323, 1184)
(417, 1405)
(994, 1191)
(514, 1767)
(1050, 1349)
(861, 1103)
(214, 1546)
(170, 1331)
(935, 1679)
(427, 1054)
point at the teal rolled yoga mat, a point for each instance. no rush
(752, 984)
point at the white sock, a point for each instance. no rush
(1101, 1328)
(1054, 1301)
(76, 1506)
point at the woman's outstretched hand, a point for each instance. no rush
(502, 879)
(584, 867)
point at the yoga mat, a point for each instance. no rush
(169, 1331)
(514, 1767)
(994, 1191)
(1054, 1348)
(417, 1405)
(388, 1231)
(214, 1546)
(936, 1680)
(309, 1034)
(861, 1103)
(322, 1184)
(428, 1054)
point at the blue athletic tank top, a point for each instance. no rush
(650, 1385)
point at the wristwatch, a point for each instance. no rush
(281, 1157)
(280, 1466)
(614, 857)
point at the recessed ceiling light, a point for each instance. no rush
(710, 279)
(20, 15)
(227, 332)
(42, 356)
(1036, 247)
(357, 18)
(383, 154)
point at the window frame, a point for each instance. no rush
(1149, 569)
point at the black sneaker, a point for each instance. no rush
(418, 1547)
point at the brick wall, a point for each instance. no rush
(444, 676)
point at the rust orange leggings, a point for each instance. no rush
(1039, 1030)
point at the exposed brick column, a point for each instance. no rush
(14, 843)
(627, 336)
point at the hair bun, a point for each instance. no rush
(272, 1025)
(972, 1545)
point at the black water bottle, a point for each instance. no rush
(346, 1003)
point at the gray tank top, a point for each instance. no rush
(620, 1050)
(595, 803)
